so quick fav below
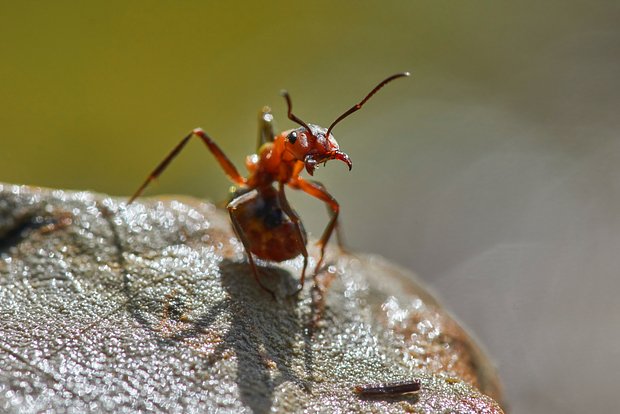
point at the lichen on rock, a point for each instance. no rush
(153, 306)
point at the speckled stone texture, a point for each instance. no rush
(153, 306)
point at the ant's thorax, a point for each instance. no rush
(272, 163)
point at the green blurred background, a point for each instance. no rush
(492, 171)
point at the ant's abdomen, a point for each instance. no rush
(268, 231)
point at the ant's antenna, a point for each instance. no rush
(358, 106)
(291, 116)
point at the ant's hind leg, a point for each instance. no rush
(265, 127)
(232, 206)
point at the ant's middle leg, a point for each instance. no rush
(223, 160)
(265, 127)
(300, 235)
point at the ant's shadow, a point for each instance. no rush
(262, 333)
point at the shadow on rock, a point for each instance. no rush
(257, 332)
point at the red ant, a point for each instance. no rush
(261, 216)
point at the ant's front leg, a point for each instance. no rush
(321, 193)
(337, 227)
(223, 160)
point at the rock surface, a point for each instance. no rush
(152, 306)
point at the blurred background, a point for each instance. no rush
(493, 172)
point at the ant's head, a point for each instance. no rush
(313, 144)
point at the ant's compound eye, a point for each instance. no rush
(292, 137)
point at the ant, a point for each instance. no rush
(261, 216)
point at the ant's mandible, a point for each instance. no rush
(260, 214)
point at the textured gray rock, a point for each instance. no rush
(105, 307)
